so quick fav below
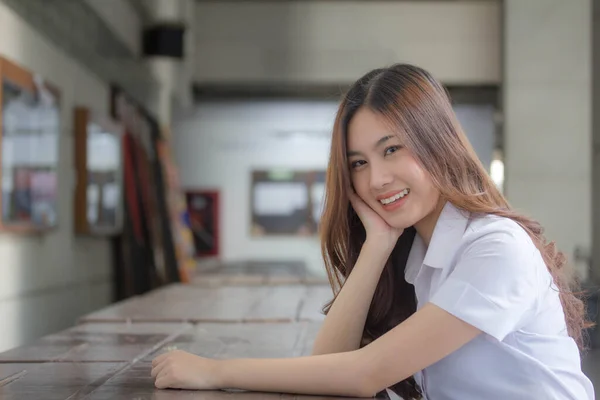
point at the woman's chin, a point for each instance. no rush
(401, 225)
(400, 221)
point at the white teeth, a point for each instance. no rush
(396, 197)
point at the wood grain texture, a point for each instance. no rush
(189, 303)
(97, 342)
(101, 360)
(56, 381)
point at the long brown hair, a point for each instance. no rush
(418, 109)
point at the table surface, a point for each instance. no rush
(108, 356)
(223, 303)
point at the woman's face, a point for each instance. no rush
(385, 175)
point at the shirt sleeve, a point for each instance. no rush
(494, 283)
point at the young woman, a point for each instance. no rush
(442, 291)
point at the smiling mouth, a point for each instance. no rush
(394, 198)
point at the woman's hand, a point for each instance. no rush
(181, 370)
(378, 231)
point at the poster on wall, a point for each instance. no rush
(104, 166)
(30, 136)
(203, 220)
(177, 208)
(146, 247)
(286, 202)
(99, 164)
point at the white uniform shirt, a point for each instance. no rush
(487, 271)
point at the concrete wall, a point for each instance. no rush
(337, 41)
(122, 19)
(47, 281)
(217, 145)
(314, 42)
(547, 106)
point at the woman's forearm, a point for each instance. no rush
(343, 327)
(338, 374)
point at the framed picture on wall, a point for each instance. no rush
(99, 167)
(203, 220)
(286, 202)
(31, 126)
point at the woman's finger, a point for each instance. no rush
(159, 359)
(165, 378)
(161, 382)
(358, 204)
(352, 198)
(156, 370)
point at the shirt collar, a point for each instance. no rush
(447, 235)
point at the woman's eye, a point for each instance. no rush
(358, 163)
(392, 149)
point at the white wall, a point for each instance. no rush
(337, 41)
(47, 281)
(548, 116)
(217, 146)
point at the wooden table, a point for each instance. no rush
(190, 303)
(246, 273)
(109, 355)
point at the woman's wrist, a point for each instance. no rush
(222, 381)
(380, 245)
(374, 254)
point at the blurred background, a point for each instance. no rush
(146, 141)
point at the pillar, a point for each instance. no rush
(547, 125)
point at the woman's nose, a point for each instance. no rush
(381, 176)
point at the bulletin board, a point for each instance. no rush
(98, 158)
(286, 202)
(31, 125)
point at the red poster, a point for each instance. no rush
(203, 219)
